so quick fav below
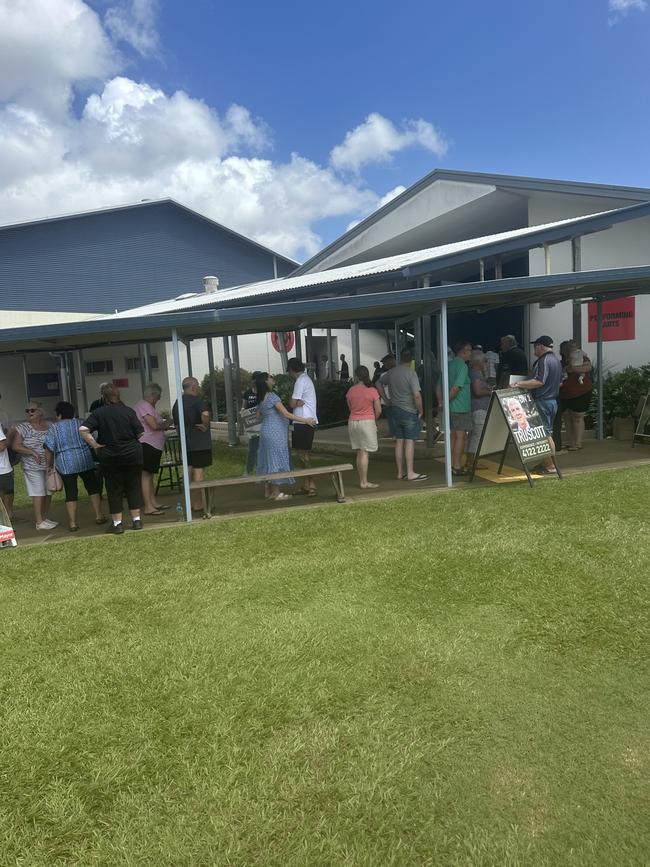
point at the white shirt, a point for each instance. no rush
(304, 390)
(5, 466)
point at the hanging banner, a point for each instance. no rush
(619, 320)
(288, 338)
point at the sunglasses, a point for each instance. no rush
(31, 410)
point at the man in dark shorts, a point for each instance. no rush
(303, 405)
(197, 434)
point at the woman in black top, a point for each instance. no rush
(119, 454)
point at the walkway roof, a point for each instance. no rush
(339, 311)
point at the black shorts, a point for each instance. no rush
(7, 482)
(302, 437)
(577, 404)
(150, 458)
(200, 459)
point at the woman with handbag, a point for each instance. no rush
(67, 457)
(28, 444)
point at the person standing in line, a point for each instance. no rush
(402, 388)
(388, 363)
(513, 361)
(249, 401)
(6, 473)
(66, 451)
(492, 364)
(344, 374)
(153, 445)
(376, 372)
(575, 394)
(28, 443)
(117, 446)
(303, 404)
(273, 455)
(98, 401)
(545, 387)
(197, 434)
(480, 396)
(4, 419)
(365, 408)
(460, 405)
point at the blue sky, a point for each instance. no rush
(553, 89)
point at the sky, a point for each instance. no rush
(292, 121)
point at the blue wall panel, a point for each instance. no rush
(119, 259)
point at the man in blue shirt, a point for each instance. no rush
(545, 386)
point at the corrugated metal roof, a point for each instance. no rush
(415, 263)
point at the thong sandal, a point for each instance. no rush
(155, 512)
(419, 478)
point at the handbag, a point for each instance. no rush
(249, 418)
(54, 482)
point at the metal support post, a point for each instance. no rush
(398, 340)
(144, 377)
(181, 426)
(417, 327)
(284, 357)
(498, 268)
(356, 347)
(547, 259)
(425, 327)
(236, 380)
(213, 382)
(82, 384)
(298, 334)
(332, 364)
(231, 413)
(600, 431)
(188, 347)
(445, 391)
(481, 270)
(576, 259)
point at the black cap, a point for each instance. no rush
(545, 340)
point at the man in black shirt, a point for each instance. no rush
(345, 370)
(513, 361)
(197, 433)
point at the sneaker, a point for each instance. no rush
(45, 525)
(50, 524)
(137, 524)
(117, 529)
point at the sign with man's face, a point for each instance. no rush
(525, 425)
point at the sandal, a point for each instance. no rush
(73, 528)
(281, 496)
(101, 520)
(419, 478)
(155, 512)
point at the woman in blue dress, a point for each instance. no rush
(274, 455)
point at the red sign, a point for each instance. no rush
(618, 320)
(288, 339)
(121, 383)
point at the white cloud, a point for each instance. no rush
(134, 22)
(132, 141)
(46, 48)
(377, 139)
(627, 5)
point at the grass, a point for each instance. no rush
(435, 680)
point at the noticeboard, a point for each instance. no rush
(513, 417)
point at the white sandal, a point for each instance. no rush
(281, 496)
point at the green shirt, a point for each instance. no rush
(459, 377)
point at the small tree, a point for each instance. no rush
(220, 384)
(623, 389)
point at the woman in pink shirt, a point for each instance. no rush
(153, 443)
(365, 409)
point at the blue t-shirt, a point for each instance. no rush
(548, 370)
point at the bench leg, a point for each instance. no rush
(337, 481)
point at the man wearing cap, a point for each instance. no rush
(545, 386)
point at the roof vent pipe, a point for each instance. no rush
(210, 285)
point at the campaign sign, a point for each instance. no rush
(525, 425)
(643, 427)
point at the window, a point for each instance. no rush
(134, 363)
(103, 366)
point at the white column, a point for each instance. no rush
(181, 425)
(444, 363)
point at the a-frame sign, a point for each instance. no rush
(512, 417)
(642, 431)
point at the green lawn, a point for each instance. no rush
(440, 679)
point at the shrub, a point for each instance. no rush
(623, 389)
(219, 378)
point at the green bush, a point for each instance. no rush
(622, 390)
(219, 378)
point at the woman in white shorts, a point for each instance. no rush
(28, 443)
(365, 408)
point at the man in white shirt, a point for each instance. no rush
(303, 405)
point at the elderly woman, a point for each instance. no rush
(71, 457)
(575, 393)
(273, 456)
(153, 443)
(480, 393)
(119, 452)
(28, 443)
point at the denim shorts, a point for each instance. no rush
(547, 410)
(404, 425)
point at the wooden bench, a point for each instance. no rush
(335, 472)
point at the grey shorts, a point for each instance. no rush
(461, 421)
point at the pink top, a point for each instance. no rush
(360, 399)
(155, 438)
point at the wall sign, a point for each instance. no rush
(618, 320)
